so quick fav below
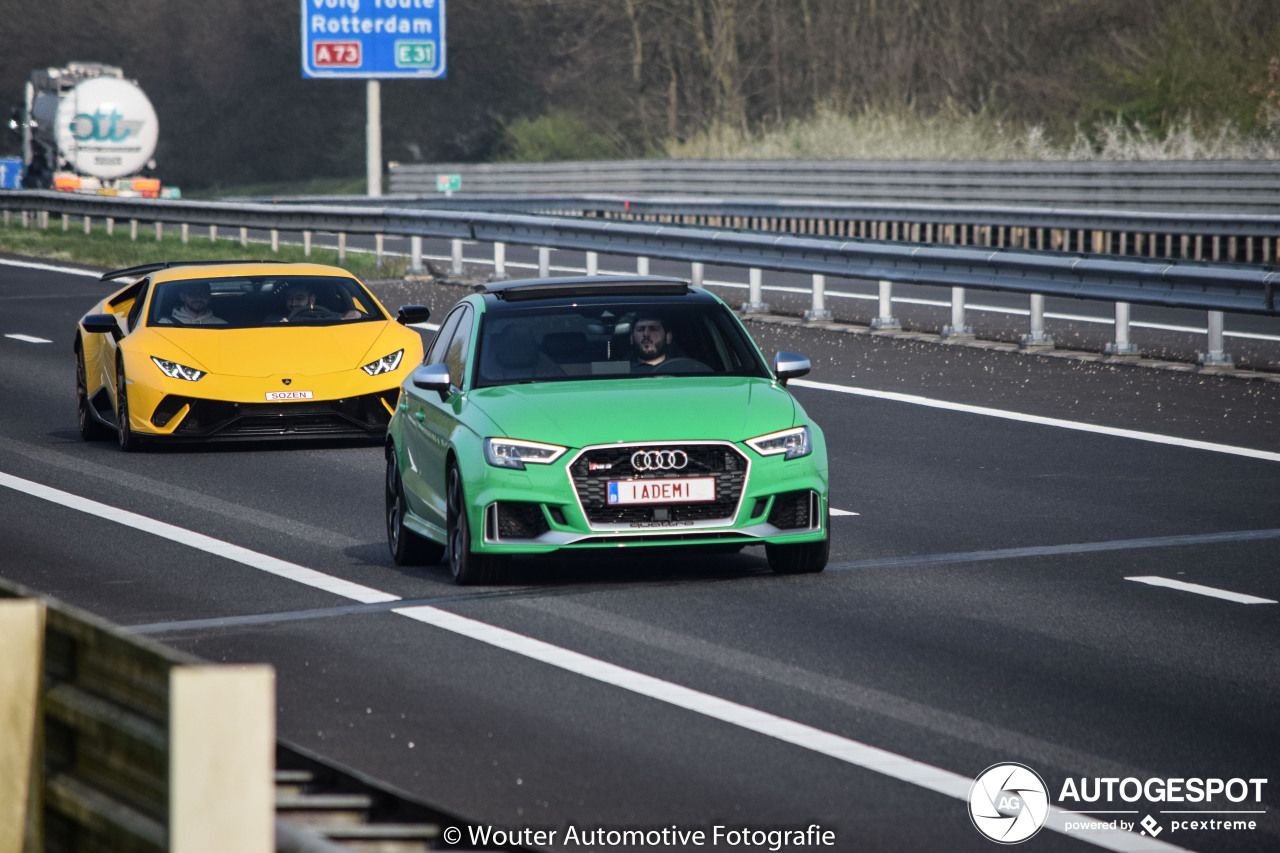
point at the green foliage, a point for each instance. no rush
(1203, 62)
(117, 250)
(558, 135)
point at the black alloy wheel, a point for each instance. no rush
(802, 559)
(468, 567)
(90, 428)
(125, 436)
(407, 548)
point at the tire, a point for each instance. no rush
(91, 429)
(467, 567)
(126, 438)
(407, 548)
(802, 559)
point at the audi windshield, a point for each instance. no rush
(599, 338)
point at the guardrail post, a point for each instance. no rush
(593, 263)
(133, 230)
(499, 261)
(1037, 339)
(697, 271)
(221, 759)
(378, 241)
(22, 638)
(213, 233)
(111, 226)
(1215, 358)
(415, 254)
(244, 237)
(455, 251)
(159, 231)
(186, 233)
(544, 261)
(88, 222)
(642, 266)
(66, 221)
(342, 248)
(755, 303)
(1121, 346)
(275, 239)
(44, 220)
(306, 243)
(818, 309)
(886, 322)
(957, 331)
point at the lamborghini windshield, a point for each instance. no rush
(255, 301)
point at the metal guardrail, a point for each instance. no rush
(1207, 286)
(840, 219)
(1241, 186)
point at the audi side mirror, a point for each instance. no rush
(789, 365)
(433, 377)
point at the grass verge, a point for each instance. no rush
(117, 250)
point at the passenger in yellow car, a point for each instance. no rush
(194, 310)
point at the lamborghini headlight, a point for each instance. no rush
(386, 364)
(177, 371)
(792, 443)
(514, 453)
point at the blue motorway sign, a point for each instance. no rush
(379, 39)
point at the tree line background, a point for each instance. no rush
(532, 79)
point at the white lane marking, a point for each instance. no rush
(798, 734)
(1212, 592)
(49, 268)
(28, 339)
(1117, 432)
(835, 511)
(244, 556)
(862, 755)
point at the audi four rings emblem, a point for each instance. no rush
(659, 460)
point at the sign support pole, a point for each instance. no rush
(373, 137)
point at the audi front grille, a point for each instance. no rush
(594, 467)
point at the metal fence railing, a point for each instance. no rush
(1191, 186)
(1199, 285)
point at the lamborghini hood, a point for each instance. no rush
(298, 350)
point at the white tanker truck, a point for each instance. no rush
(86, 128)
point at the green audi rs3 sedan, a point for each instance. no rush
(601, 412)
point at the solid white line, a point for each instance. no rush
(1212, 592)
(1043, 421)
(798, 734)
(262, 562)
(48, 267)
(835, 511)
(29, 339)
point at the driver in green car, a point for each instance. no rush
(650, 347)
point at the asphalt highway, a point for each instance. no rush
(1069, 565)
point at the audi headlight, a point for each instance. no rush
(514, 453)
(386, 364)
(177, 371)
(792, 443)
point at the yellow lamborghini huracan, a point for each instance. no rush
(241, 350)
